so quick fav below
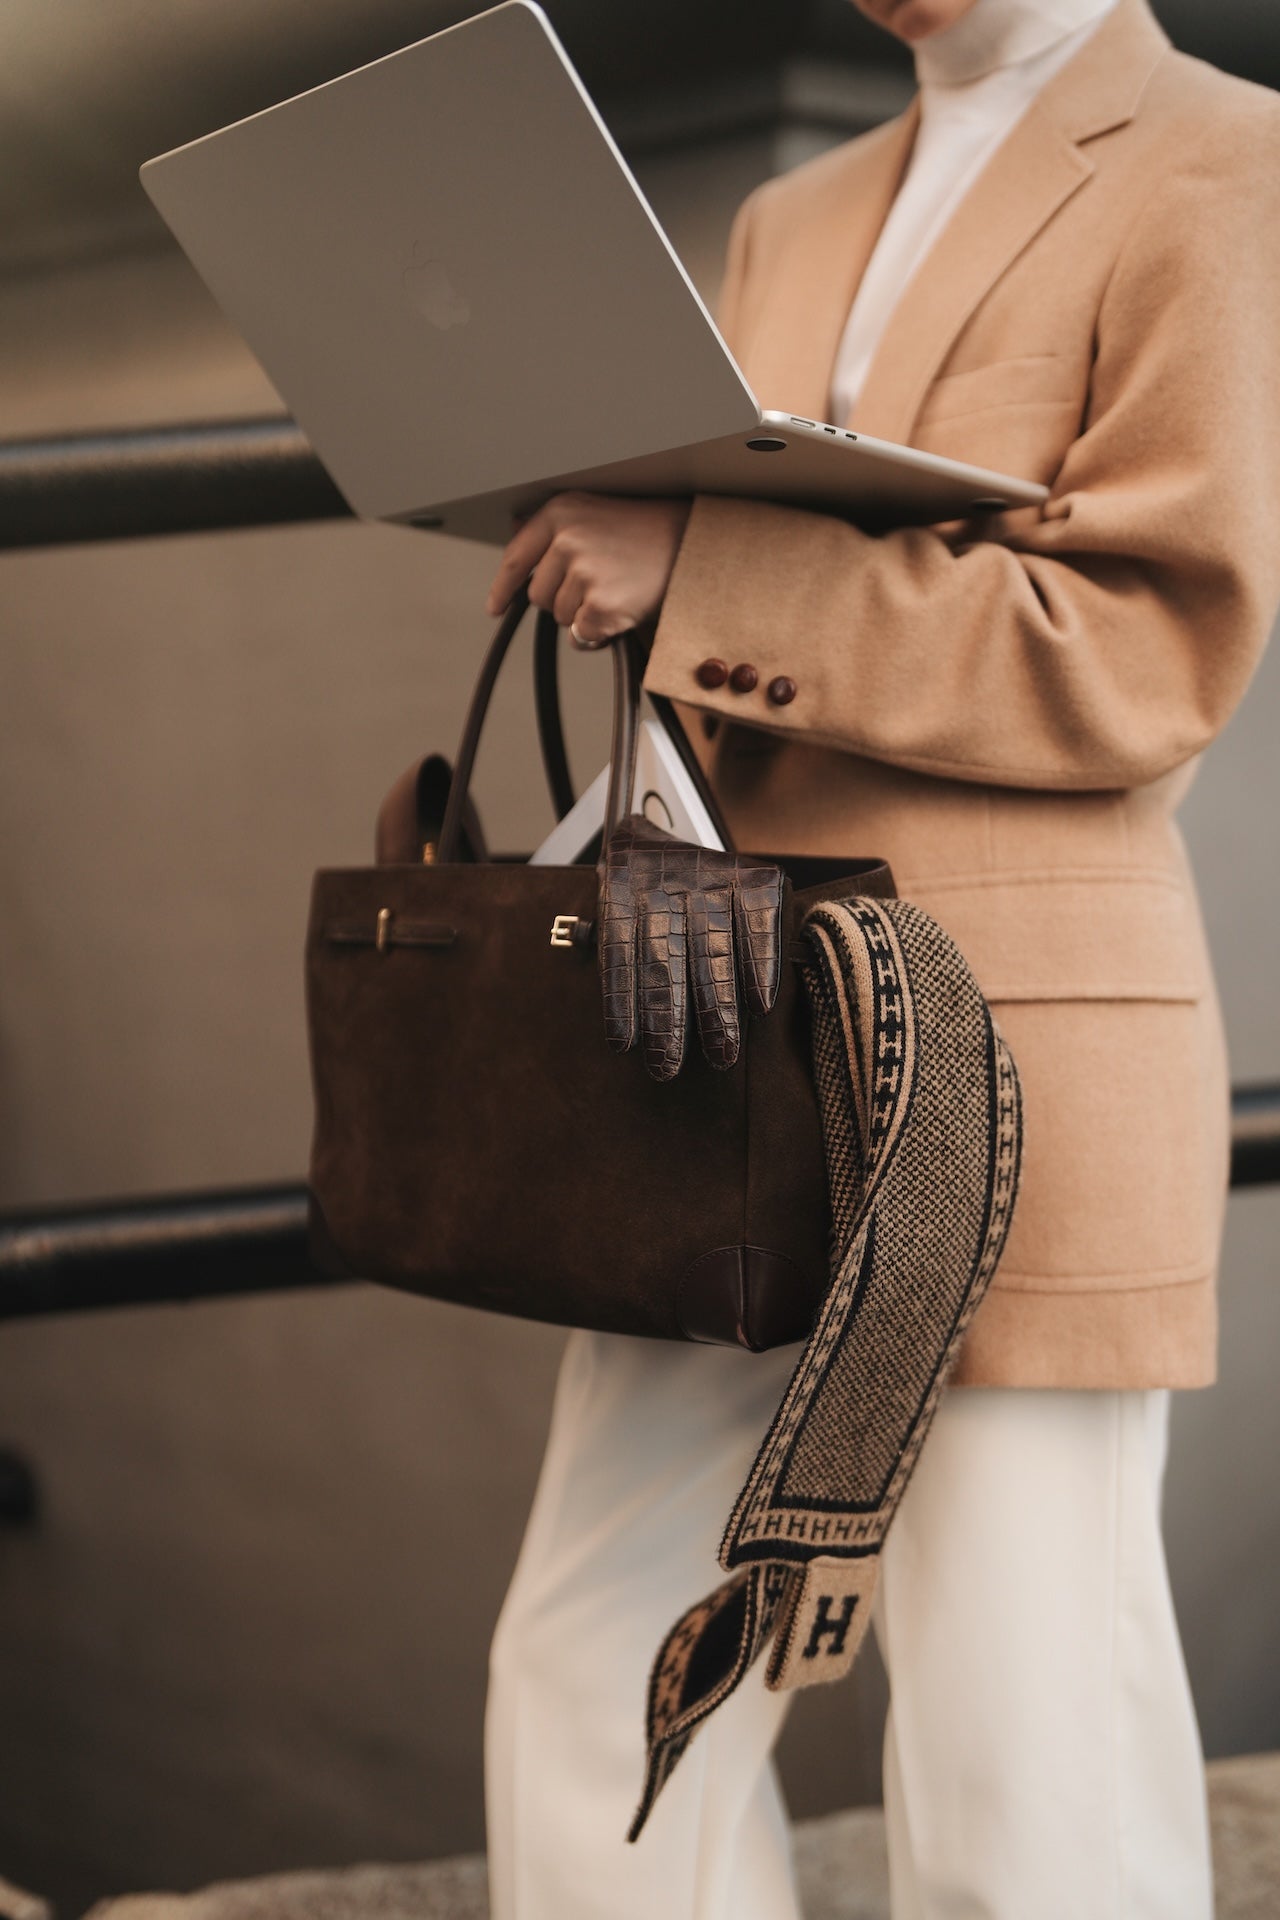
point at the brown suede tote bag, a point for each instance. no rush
(477, 1141)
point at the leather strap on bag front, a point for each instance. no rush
(626, 736)
(546, 700)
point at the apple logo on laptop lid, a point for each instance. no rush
(430, 292)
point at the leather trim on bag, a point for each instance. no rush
(746, 1296)
(400, 933)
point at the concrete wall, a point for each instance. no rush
(249, 1631)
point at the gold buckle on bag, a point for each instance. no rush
(562, 929)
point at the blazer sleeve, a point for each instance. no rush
(1096, 643)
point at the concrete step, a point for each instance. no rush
(841, 1862)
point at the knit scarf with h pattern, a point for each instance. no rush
(922, 1125)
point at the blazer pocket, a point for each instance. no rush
(1043, 379)
(1100, 981)
(1125, 1144)
(1079, 935)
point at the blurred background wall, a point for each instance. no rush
(249, 1628)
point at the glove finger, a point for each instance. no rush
(757, 925)
(664, 1003)
(617, 939)
(711, 971)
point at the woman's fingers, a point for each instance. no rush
(523, 552)
(569, 601)
(546, 587)
(592, 629)
(597, 562)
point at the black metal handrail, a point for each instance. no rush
(1255, 1135)
(132, 484)
(140, 1252)
(203, 1246)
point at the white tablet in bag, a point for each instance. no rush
(664, 792)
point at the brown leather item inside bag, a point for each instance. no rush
(411, 818)
(685, 929)
(477, 1140)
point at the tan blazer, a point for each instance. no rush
(1010, 713)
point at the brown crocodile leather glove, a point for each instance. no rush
(674, 916)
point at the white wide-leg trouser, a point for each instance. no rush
(1042, 1760)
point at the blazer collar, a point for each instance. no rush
(1037, 169)
(790, 354)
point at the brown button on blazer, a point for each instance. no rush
(1010, 713)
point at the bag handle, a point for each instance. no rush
(546, 688)
(546, 700)
(626, 720)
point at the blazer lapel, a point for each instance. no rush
(791, 349)
(1037, 169)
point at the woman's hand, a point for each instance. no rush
(598, 563)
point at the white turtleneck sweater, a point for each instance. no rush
(976, 81)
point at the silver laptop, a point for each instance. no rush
(449, 273)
